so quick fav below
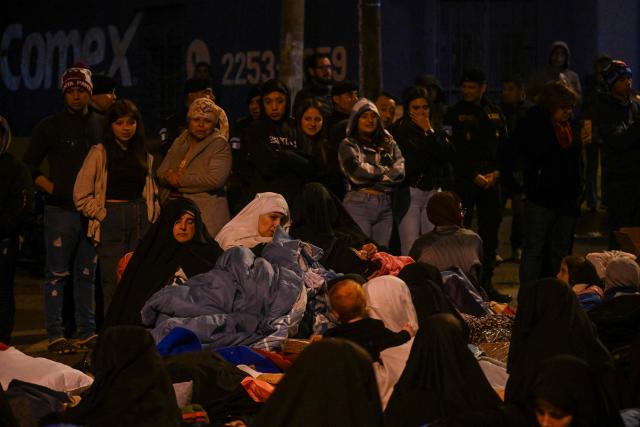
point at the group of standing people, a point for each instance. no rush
(106, 183)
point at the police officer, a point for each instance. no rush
(618, 121)
(478, 131)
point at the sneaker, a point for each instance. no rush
(62, 346)
(87, 343)
(495, 295)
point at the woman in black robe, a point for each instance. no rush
(331, 384)
(550, 321)
(567, 389)
(157, 259)
(320, 219)
(441, 380)
(131, 387)
(425, 284)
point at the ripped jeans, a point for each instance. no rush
(70, 254)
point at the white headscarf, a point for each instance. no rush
(389, 300)
(242, 230)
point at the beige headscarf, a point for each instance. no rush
(242, 230)
(205, 107)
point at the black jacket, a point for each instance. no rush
(552, 174)
(278, 162)
(427, 156)
(477, 134)
(619, 127)
(64, 140)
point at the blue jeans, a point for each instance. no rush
(120, 232)
(68, 251)
(415, 222)
(372, 213)
(8, 261)
(548, 238)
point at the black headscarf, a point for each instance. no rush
(157, 258)
(425, 284)
(331, 384)
(442, 378)
(320, 219)
(570, 384)
(216, 384)
(131, 387)
(550, 321)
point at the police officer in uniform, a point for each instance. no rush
(478, 131)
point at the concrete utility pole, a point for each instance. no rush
(292, 44)
(370, 47)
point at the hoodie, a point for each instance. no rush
(14, 183)
(551, 73)
(378, 164)
(275, 158)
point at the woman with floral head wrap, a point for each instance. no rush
(198, 164)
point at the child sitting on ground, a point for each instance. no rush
(583, 278)
(349, 306)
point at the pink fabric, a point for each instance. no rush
(390, 264)
(258, 390)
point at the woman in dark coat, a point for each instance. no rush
(176, 246)
(552, 181)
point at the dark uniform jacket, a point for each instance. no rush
(478, 132)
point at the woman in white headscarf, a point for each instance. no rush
(256, 223)
(389, 300)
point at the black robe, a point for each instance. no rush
(320, 219)
(570, 384)
(441, 380)
(131, 387)
(550, 321)
(157, 258)
(331, 384)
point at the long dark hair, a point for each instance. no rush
(319, 142)
(126, 108)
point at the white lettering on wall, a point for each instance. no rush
(40, 60)
(33, 47)
(12, 32)
(120, 50)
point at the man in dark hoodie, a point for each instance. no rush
(278, 162)
(479, 131)
(64, 140)
(618, 123)
(556, 69)
(14, 182)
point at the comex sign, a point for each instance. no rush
(39, 52)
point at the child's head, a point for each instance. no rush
(576, 269)
(348, 300)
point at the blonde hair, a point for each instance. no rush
(348, 300)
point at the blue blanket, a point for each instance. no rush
(243, 300)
